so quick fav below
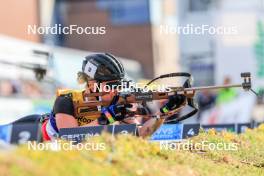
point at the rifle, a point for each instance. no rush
(139, 96)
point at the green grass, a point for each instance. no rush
(128, 155)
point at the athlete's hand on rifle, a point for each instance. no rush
(114, 113)
(175, 102)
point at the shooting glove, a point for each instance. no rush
(174, 102)
(113, 113)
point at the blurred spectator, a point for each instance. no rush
(205, 100)
(30, 89)
(25, 89)
(226, 95)
(258, 110)
(7, 89)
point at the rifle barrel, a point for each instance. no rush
(211, 87)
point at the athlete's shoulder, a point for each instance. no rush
(75, 95)
(63, 104)
(64, 92)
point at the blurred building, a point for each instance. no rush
(15, 16)
(133, 30)
(212, 57)
(128, 29)
(197, 51)
(166, 55)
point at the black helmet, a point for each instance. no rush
(103, 67)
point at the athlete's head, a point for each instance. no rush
(100, 68)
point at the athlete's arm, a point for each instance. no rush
(64, 113)
(65, 121)
(150, 126)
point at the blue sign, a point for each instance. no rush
(5, 132)
(168, 132)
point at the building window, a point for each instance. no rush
(199, 5)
